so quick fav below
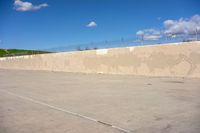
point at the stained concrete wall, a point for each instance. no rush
(171, 60)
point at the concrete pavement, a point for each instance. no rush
(136, 104)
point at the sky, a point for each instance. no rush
(42, 24)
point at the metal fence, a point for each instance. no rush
(123, 42)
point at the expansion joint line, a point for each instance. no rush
(68, 112)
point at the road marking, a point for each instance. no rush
(68, 112)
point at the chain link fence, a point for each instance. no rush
(124, 42)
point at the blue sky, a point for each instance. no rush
(40, 24)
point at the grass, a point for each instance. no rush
(19, 52)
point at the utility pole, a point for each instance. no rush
(122, 41)
(197, 33)
(142, 39)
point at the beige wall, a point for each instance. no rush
(173, 60)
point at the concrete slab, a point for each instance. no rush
(30, 102)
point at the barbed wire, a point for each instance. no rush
(124, 42)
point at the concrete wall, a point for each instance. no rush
(172, 60)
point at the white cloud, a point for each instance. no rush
(27, 6)
(149, 34)
(140, 33)
(183, 26)
(152, 37)
(92, 24)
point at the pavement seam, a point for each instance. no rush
(68, 112)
